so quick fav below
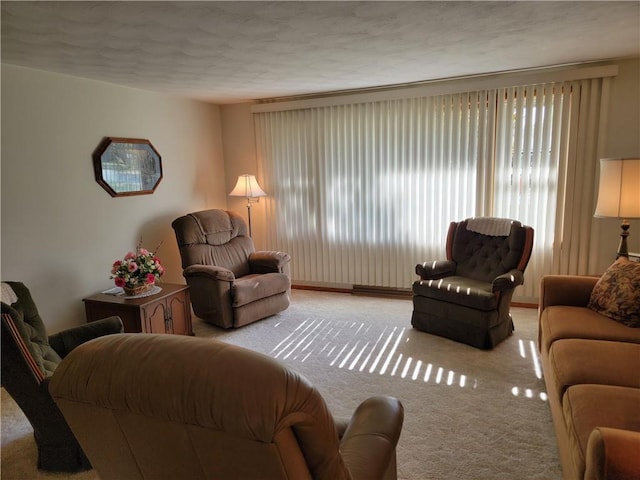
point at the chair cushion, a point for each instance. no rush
(250, 288)
(212, 227)
(617, 293)
(11, 334)
(484, 257)
(214, 237)
(460, 290)
(28, 323)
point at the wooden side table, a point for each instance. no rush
(168, 311)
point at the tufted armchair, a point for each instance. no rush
(29, 358)
(231, 284)
(467, 296)
(170, 407)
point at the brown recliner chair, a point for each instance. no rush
(467, 297)
(29, 358)
(169, 407)
(230, 283)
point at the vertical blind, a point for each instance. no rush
(531, 143)
(360, 193)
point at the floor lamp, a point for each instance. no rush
(619, 194)
(247, 186)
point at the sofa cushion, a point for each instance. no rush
(250, 288)
(561, 321)
(617, 293)
(578, 361)
(588, 406)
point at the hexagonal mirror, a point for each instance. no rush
(127, 166)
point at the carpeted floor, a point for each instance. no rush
(469, 414)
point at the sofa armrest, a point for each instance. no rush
(507, 281)
(369, 442)
(268, 261)
(435, 270)
(65, 341)
(612, 454)
(569, 290)
(210, 272)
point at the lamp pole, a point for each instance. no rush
(249, 213)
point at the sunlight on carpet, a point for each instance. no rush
(357, 346)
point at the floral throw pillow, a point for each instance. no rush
(617, 293)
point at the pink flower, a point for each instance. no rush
(132, 267)
(151, 278)
(116, 266)
(143, 251)
(129, 256)
(119, 281)
(160, 269)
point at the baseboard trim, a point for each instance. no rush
(370, 291)
(319, 288)
(385, 292)
(524, 305)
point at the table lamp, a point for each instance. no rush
(247, 186)
(619, 194)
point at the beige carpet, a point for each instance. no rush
(469, 414)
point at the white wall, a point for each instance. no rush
(622, 141)
(240, 158)
(60, 230)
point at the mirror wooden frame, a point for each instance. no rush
(127, 166)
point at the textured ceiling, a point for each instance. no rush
(228, 52)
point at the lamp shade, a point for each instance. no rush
(619, 188)
(247, 186)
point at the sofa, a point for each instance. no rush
(591, 363)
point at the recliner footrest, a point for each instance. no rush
(251, 288)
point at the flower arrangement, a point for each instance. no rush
(138, 271)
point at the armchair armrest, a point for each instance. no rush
(369, 442)
(612, 453)
(65, 341)
(436, 270)
(341, 426)
(209, 271)
(507, 281)
(268, 261)
(570, 290)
